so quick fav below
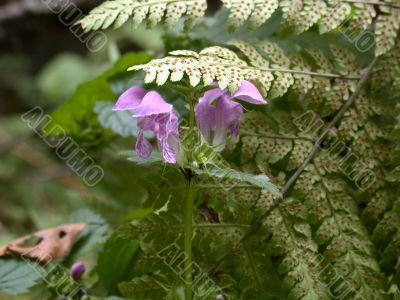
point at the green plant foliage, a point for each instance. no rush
(304, 204)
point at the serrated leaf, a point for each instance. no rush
(120, 122)
(17, 277)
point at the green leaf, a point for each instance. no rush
(77, 113)
(17, 277)
(115, 263)
(260, 180)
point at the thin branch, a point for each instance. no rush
(258, 221)
(277, 136)
(327, 129)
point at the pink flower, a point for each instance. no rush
(217, 113)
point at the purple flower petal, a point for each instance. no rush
(166, 128)
(227, 115)
(205, 112)
(143, 146)
(212, 95)
(235, 129)
(131, 99)
(170, 148)
(248, 92)
(217, 113)
(152, 104)
(77, 270)
(170, 142)
(156, 115)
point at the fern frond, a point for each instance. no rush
(263, 10)
(272, 74)
(303, 83)
(335, 15)
(387, 29)
(363, 16)
(257, 12)
(264, 145)
(387, 70)
(341, 233)
(298, 16)
(300, 264)
(118, 12)
(387, 226)
(320, 85)
(301, 15)
(240, 11)
(390, 255)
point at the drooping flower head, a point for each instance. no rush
(217, 113)
(155, 115)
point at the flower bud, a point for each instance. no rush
(77, 270)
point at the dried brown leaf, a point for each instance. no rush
(53, 243)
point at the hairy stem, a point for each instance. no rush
(188, 236)
(189, 207)
(192, 121)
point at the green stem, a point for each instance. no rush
(188, 236)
